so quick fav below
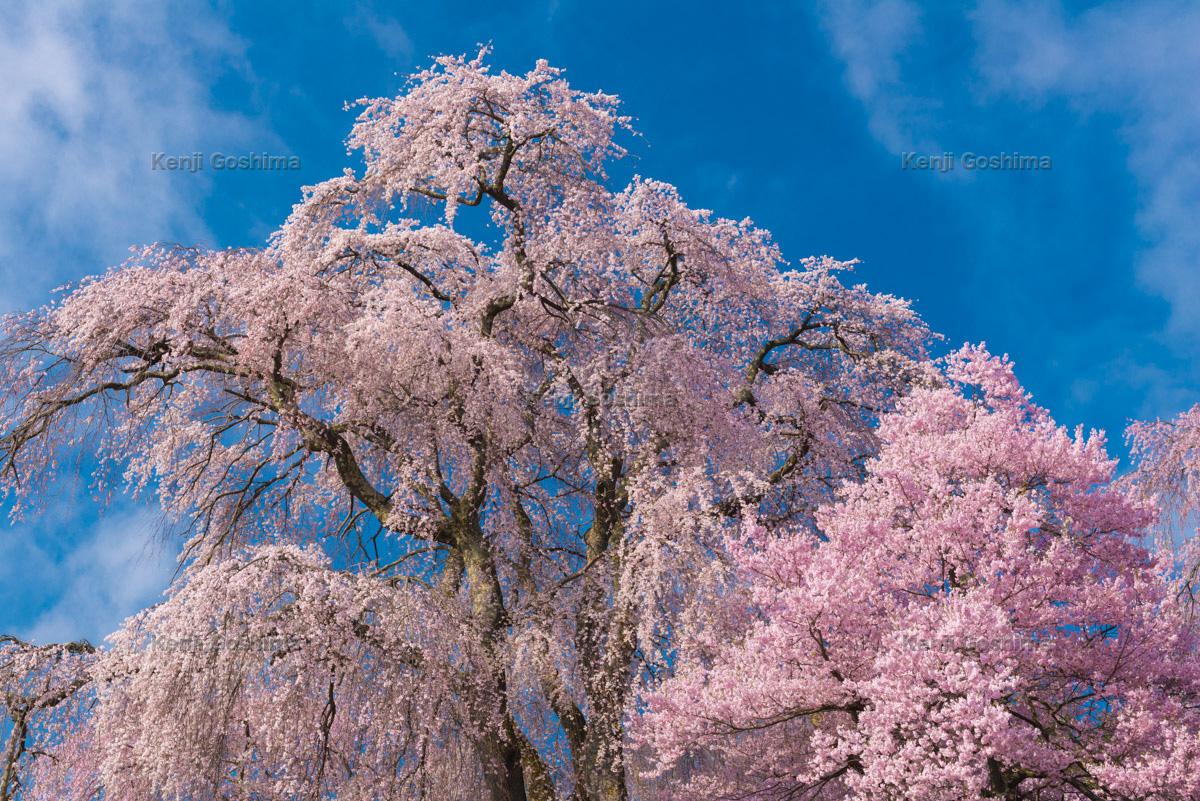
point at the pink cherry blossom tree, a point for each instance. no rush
(1167, 473)
(977, 618)
(515, 410)
(44, 690)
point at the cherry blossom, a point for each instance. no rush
(518, 409)
(45, 692)
(978, 617)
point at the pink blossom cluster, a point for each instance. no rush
(486, 461)
(976, 617)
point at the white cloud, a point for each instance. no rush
(387, 34)
(1136, 62)
(67, 575)
(91, 90)
(121, 568)
(872, 38)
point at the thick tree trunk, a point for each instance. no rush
(605, 647)
(503, 772)
(509, 757)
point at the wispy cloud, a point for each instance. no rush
(119, 570)
(1138, 62)
(66, 577)
(873, 38)
(925, 73)
(91, 90)
(387, 34)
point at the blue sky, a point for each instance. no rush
(797, 115)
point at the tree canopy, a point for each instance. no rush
(502, 481)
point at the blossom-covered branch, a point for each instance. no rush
(533, 438)
(977, 618)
